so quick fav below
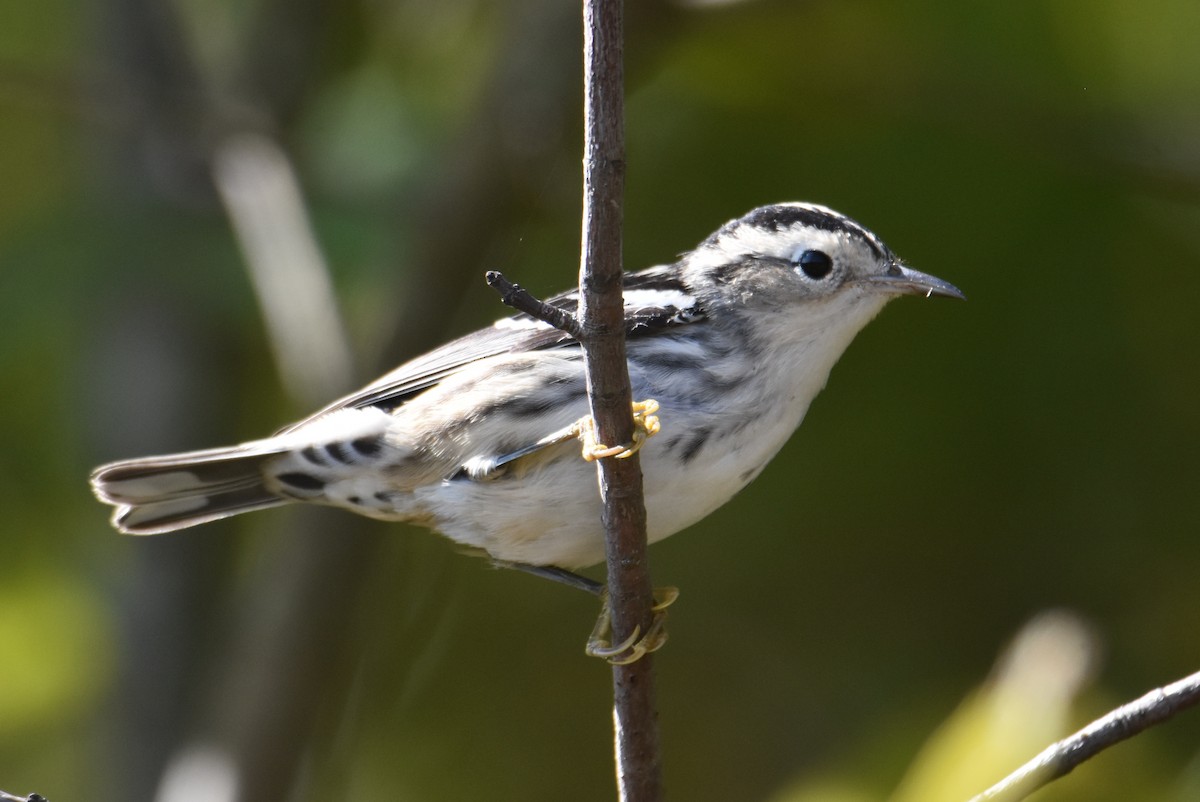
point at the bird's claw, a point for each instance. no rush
(636, 645)
(645, 426)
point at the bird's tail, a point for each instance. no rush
(162, 494)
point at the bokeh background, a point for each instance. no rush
(969, 467)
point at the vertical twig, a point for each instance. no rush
(639, 765)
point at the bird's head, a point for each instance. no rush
(805, 258)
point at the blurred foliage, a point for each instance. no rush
(969, 466)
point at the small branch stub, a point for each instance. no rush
(519, 298)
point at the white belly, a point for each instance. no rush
(552, 516)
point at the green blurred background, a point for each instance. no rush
(969, 466)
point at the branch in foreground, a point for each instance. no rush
(600, 329)
(1126, 721)
(639, 758)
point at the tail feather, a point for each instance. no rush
(162, 494)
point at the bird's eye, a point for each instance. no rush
(815, 264)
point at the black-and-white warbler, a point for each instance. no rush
(474, 439)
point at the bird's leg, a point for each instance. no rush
(636, 645)
(556, 574)
(600, 641)
(486, 468)
(645, 426)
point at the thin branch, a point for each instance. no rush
(639, 762)
(600, 329)
(1126, 721)
(519, 298)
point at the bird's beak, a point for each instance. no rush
(906, 281)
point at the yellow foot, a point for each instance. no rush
(645, 426)
(636, 645)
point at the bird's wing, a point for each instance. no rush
(655, 300)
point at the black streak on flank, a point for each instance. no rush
(693, 446)
(528, 407)
(314, 456)
(533, 406)
(301, 481)
(666, 359)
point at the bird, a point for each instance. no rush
(477, 439)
